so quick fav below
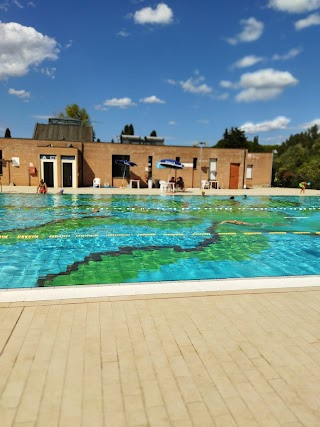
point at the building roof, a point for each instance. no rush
(149, 140)
(63, 132)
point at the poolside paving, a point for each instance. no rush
(237, 358)
(248, 357)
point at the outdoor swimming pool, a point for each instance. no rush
(53, 240)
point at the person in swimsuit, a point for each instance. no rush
(42, 187)
(234, 221)
(303, 185)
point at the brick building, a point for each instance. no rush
(65, 162)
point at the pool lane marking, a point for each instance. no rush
(233, 233)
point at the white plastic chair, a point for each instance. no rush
(163, 186)
(96, 183)
(204, 184)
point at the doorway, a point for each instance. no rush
(213, 170)
(48, 174)
(48, 167)
(68, 171)
(234, 176)
(66, 174)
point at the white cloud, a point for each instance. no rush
(162, 14)
(49, 72)
(252, 30)
(123, 33)
(18, 4)
(279, 122)
(311, 20)
(203, 121)
(247, 61)
(69, 44)
(23, 47)
(289, 55)
(311, 124)
(172, 123)
(119, 102)
(22, 94)
(152, 100)
(294, 6)
(226, 84)
(195, 85)
(171, 82)
(264, 84)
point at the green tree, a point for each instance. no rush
(298, 159)
(128, 130)
(74, 111)
(235, 138)
(7, 133)
(153, 133)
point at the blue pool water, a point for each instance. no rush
(53, 240)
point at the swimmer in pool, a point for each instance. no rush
(234, 221)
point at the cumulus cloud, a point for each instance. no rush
(162, 14)
(264, 84)
(279, 122)
(294, 6)
(119, 102)
(196, 85)
(289, 55)
(192, 85)
(152, 100)
(22, 94)
(247, 61)
(311, 20)
(252, 30)
(23, 47)
(308, 125)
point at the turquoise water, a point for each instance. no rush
(53, 240)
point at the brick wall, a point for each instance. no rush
(95, 160)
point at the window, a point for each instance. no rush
(0, 162)
(195, 163)
(119, 170)
(149, 167)
(249, 172)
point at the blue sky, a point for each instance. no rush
(187, 69)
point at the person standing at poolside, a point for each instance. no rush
(303, 185)
(42, 187)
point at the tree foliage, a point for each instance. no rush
(236, 138)
(75, 112)
(153, 133)
(298, 159)
(128, 130)
(7, 133)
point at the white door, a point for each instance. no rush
(213, 170)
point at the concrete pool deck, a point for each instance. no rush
(242, 352)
